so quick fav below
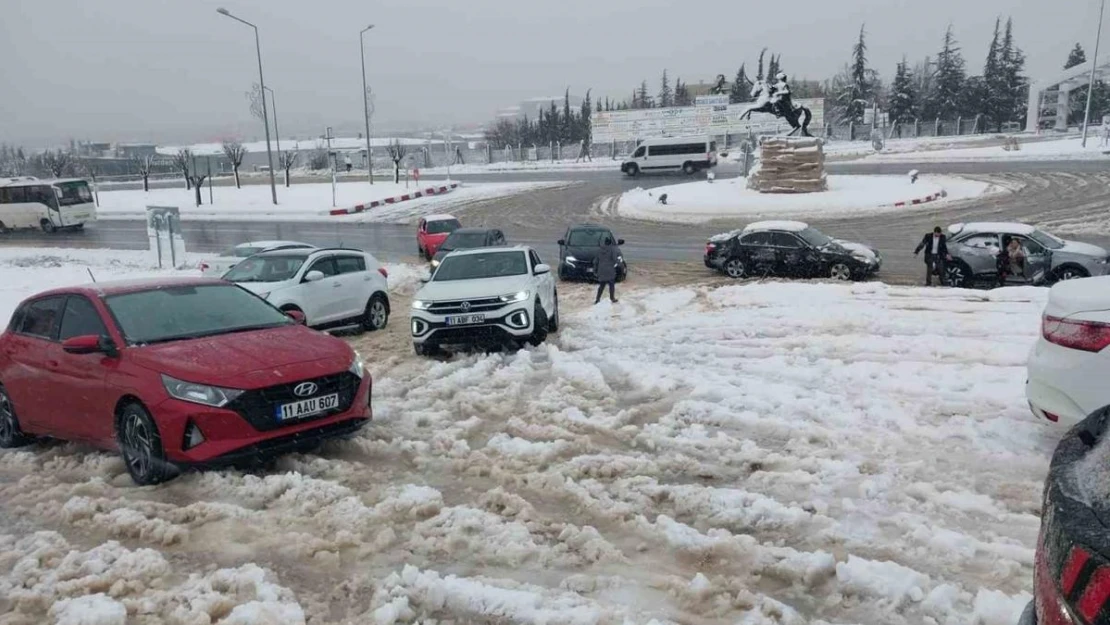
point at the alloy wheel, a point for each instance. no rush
(735, 268)
(378, 315)
(138, 445)
(841, 272)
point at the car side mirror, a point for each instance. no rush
(620, 241)
(314, 276)
(542, 269)
(562, 241)
(90, 344)
(296, 316)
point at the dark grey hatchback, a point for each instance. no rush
(578, 252)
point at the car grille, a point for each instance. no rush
(466, 306)
(259, 407)
(470, 334)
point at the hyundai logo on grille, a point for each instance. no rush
(305, 389)
(465, 306)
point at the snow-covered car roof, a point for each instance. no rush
(492, 248)
(787, 226)
(1000, 227)
(443, 217)
(725, 236)
(269, 244)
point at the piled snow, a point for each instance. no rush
(307, 202)
(763, 453)
(1031, 150)
(698, 202)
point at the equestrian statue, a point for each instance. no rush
(775, 99)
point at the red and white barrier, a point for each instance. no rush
(361, 208)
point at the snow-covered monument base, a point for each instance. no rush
(790, 165)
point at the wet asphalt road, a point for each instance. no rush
(1047, 192)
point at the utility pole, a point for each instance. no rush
(277, 133)
(366, 104)
(328, 136)
(1094, 64)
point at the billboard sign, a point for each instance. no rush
(715, 120)
(711, 100)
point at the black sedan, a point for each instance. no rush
(1071, 571)
(578, 252)
(791, 249)
(468, 239)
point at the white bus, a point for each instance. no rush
(686, 154)
(27, 202)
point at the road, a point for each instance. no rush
(1049, 191)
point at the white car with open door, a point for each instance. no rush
(485, 297)
(1070, 362)
(333, 288)
(219, 265)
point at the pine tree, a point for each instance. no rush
(666, 95)
(903, 95)
(645, 99)
(857, 90)
(947, 93)
(1077, 56)
(991, 101)
(681, 94)
(741, 87)
(1016, 83)
(567, 131)
(759, 74)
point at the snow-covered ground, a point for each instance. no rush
(793, 453)
(1032, 149)
(307, 202)
(699, 202)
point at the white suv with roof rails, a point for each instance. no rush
(487, 297)
(330, 287)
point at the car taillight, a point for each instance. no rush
(710, 248)
(381, 270)
(1088, 336)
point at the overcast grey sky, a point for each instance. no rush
(177, 71)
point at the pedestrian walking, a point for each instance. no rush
(347, 162)
(605, 268)
(935, 245)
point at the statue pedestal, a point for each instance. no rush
(790, 165)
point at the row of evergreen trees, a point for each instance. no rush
(564, 127)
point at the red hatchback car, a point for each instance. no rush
(432, 231)
(175, 373)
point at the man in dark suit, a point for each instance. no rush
(936, 253)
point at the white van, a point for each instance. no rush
(688, 154)
(27, 202)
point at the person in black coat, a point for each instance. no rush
(935, 245)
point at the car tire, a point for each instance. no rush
(958, 275)
(539, 325)
(11, 435)
(632, 170)
(48, 226)
(735, 269)
(1070, 272)
(840, 271)
(140, 445)
(689, 169)
(553, 322)
(376, 315)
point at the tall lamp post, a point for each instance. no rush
(1094, 64)
(262, 84)
(277, 133)
(366, 102)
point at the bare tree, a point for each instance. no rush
(286, 160)
(234, 151)
(57, 163)
(396, 154)
(198, 182)
(182, 161)
(144, 164)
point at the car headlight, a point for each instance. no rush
(515, 297)
(571, 259)
(203, 394)
(421, 304)
(358, 367)
(435, 263)
(620, 259)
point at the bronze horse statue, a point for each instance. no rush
(776, 101)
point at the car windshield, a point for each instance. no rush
(187, 312)
(815, 237)
(443, 225)
(482, 265)
(70, 193)
(464, 240)
(586, 238)
(265, 269)
(1047, 240)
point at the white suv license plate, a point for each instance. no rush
(307, 407)
(465, 320)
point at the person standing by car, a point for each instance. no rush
(606, 269)
(936, 252)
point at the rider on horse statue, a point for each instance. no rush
(775, 99)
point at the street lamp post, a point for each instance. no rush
(277, 133)
(1094, 64)
(262, 85)
(366, 103)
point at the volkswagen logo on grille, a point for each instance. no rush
(305, 389)
(465, 306)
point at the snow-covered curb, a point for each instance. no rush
(699, 202)
(404, 197)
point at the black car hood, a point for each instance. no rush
(582, 253)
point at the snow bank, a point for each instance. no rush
(1031, 150)
(697, 202)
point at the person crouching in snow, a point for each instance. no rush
(936, 253)
(605, 269)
